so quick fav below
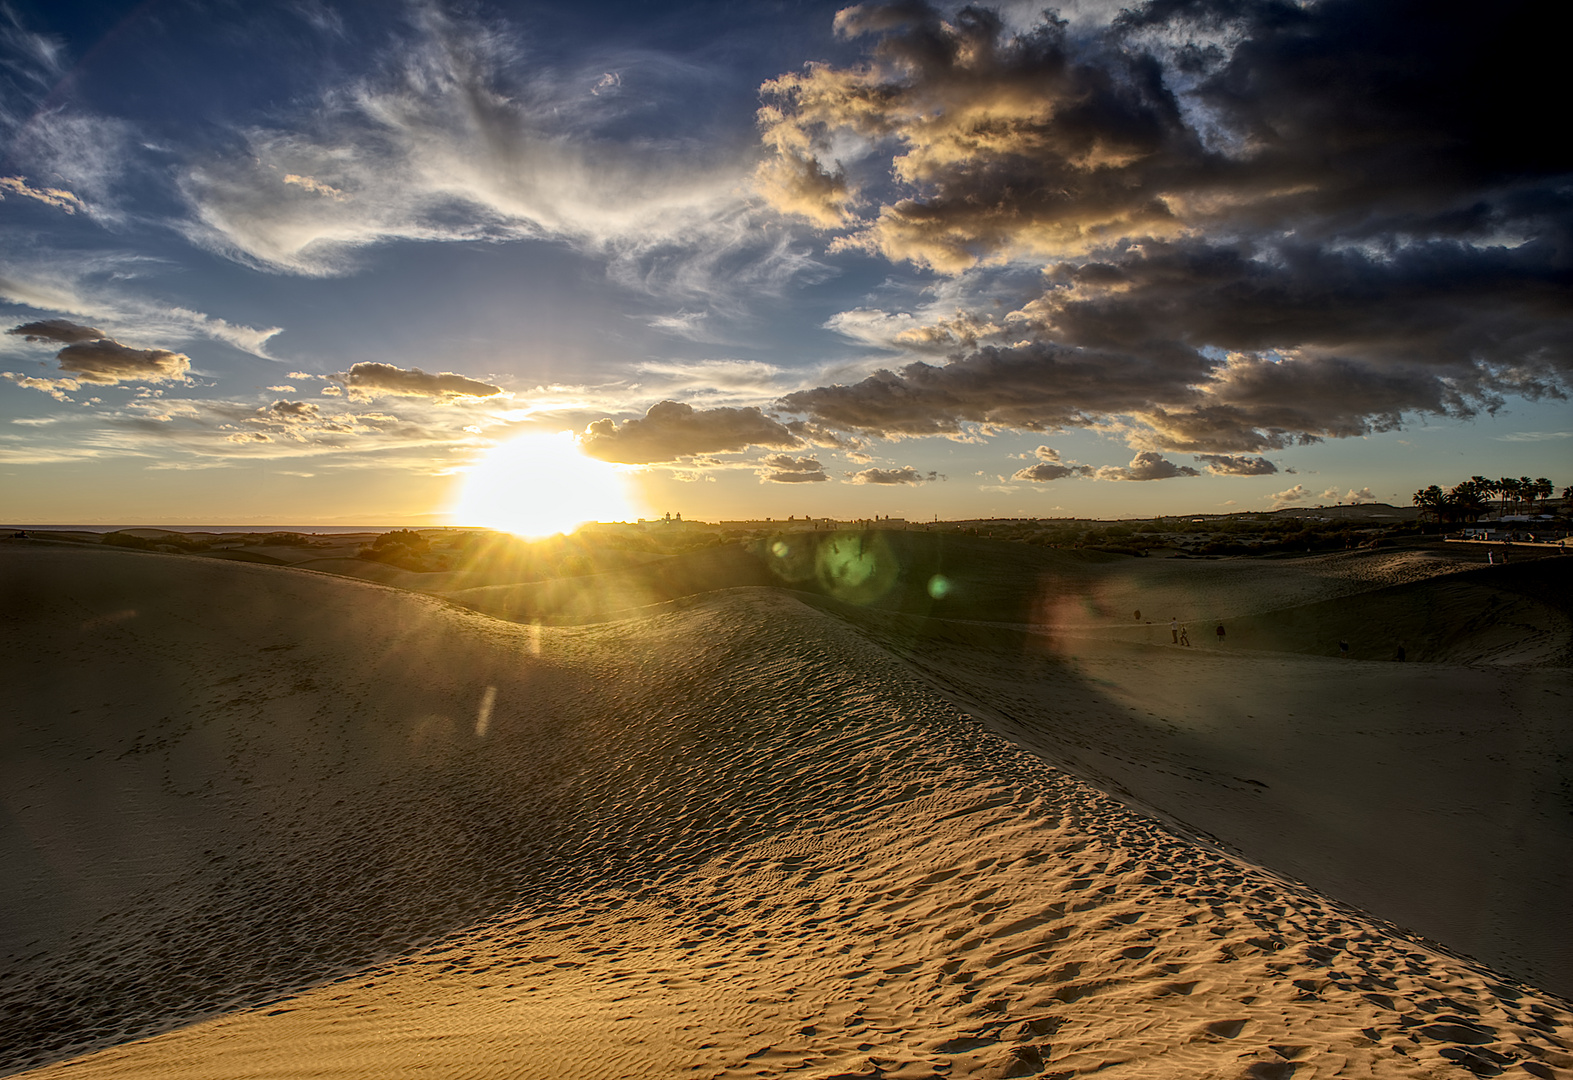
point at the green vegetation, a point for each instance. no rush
(1469, 500)
(177, 542)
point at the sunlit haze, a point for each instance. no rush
(538, 485)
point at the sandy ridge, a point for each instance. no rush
(735, 839)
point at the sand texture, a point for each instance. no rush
(263, 822)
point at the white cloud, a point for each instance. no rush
(440, 145)
(1289, 496)
(1535, 436)
(65, 286)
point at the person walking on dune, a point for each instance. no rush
(1174, 630)
(1219, 632)
(1185, 639)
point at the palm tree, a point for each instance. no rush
(1466, 501)
(1485, 486)
(1431, 500)
(1507, 487)
(1544, 489)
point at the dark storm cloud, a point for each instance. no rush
(1233, 465)
(1354, 117)
(673, 429)
(785, 469)
(1261, 223)
(57, 330)
(372, 379)
(904, 475)
(107, 362)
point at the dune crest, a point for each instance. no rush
(325, 827)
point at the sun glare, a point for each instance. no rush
(539, 485)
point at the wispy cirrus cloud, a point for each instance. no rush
(449, 140)
(95, 287)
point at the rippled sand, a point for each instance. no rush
(307, 826)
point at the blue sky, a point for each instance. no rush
(308, 262)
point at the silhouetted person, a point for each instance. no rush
(1174, 630)
(1138, 614)
(1399, 655)
(1185, 639)
(1219, 632)
(1343, 649)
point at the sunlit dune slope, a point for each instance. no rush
(735, 838)
(595, 597)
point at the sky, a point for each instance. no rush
(314, 262)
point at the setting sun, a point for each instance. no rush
(538, 485)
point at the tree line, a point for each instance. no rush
(1469, 500)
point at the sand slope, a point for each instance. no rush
(736, 839)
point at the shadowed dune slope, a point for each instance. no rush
(1516, 614)
(324, 827)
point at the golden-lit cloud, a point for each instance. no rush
(370, 380)
(1145, 466)
(107, 362)
(672, 429)
(1049, 467)
(59, 198)
(1256, 226)
(785, 469)
(890, 477)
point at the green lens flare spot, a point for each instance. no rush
(939, 586)
(857, 567)
(780, 550)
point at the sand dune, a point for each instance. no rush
(310, 826)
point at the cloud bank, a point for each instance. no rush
(1258, 223)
